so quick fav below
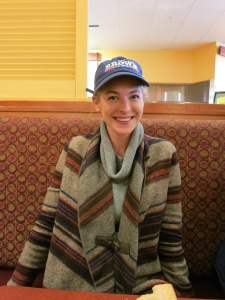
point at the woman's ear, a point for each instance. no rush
(95, 101)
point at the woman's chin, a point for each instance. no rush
(124, 132)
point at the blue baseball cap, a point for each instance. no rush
(116, 67)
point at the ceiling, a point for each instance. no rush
(155, 24)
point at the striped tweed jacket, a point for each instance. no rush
(74, 236)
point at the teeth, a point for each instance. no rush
(123, 119)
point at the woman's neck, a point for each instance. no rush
(119, 143)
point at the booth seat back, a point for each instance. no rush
(29, 150)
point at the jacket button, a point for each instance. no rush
(116, 245)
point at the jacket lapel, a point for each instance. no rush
(126, 264)
(95, 217)
(109, 267)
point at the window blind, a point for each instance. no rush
(37, 39)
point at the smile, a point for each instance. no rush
(123, 119)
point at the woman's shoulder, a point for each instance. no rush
(81, 143)
(158, 147)
(158, 142)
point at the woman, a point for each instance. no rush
(111, 222)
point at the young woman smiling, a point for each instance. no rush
(112, 221)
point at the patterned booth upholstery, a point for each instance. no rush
(30, 147)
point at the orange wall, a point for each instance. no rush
(41, 63)
(173, 66)
(204, 60)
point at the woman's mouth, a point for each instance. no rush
(123, 119)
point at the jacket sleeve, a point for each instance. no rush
(171, 252)
(35, 252)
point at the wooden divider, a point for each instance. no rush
(151, 110)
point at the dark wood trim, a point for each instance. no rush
(186, 110)
(152, 110)
(47, 106)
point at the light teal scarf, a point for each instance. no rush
(119, 168)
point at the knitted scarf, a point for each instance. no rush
(118, 168)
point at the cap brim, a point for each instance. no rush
(119, 74)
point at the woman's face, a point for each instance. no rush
(121, 105)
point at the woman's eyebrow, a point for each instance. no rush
(111, 92)
(135, 90)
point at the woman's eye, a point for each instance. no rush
(112, 98)
(135, 97)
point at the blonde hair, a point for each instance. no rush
(143, 88)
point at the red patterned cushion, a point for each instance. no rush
(29, 150)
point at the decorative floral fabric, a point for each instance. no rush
(29, 150)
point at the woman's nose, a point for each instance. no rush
(124, 104)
